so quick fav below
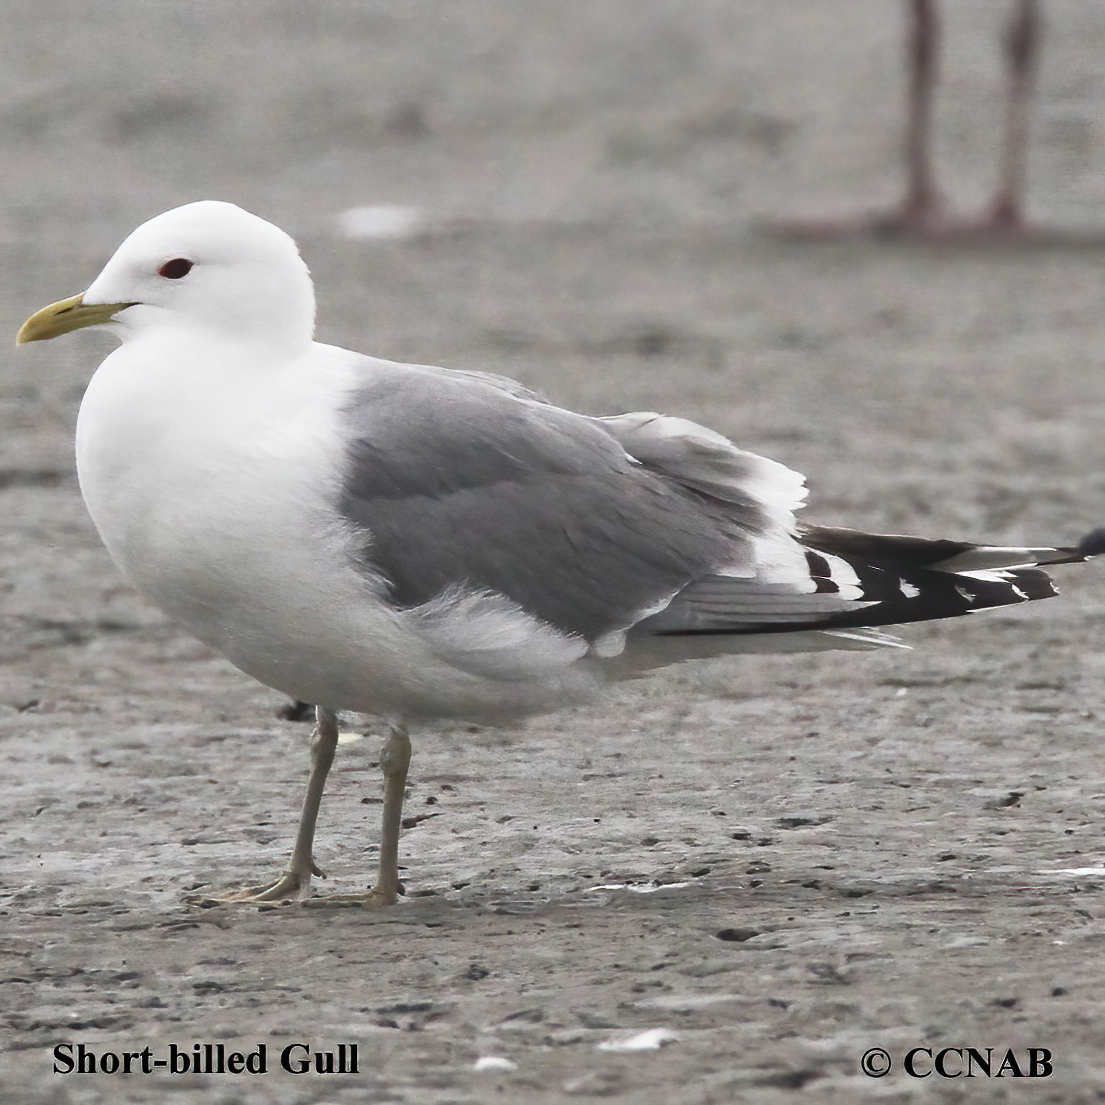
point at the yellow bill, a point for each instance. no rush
(69, 314)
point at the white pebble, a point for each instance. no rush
(360, 224)
(643, 1041)
(493, 1062)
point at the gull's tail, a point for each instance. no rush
(909, 579)
(860, 580)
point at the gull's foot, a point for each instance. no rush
(375, 898)
(291, 885)
(907, 221)
(991, 228)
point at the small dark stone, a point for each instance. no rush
(405, 1007)
(296, 711)
(416, 819)
(1011, 799)
(789, 1079)
(737, 936)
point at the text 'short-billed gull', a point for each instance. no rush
(418, 543)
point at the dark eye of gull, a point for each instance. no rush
(175, 269)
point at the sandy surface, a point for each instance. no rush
(841, 851)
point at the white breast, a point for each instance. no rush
(214, 493)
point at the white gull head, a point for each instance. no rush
(210, 266)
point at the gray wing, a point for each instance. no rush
(457, 482)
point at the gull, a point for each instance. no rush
(421, 544)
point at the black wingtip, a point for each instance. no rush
(1093, 544)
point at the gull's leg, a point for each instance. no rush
(394, 763)
(923, 212)
(1022, 45)
(296, 880)
(922, 209)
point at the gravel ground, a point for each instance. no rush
(771, 864)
